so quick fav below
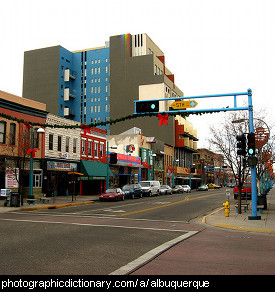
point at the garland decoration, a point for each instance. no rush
(110, 122)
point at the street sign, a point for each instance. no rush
(184, 104)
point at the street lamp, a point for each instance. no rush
(112, 147)
(39, 131)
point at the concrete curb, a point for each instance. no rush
(56, 206)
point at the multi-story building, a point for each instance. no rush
(99, 84)
(74, 85)
(62, 155)
(19, 140)
(93, 161)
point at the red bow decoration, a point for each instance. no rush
(31, 152)
(163, 119)
(27, 126)
(145, 164)
(86, 129)
(171, 168)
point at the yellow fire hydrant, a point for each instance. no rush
(226, 209)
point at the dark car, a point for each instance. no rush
(112, 194)
(132, 191)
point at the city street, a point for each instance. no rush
(101, 238)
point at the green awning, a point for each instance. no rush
(94, 170)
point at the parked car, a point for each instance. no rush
(112, 194)
(245, 191)
(132, 191)
(178, 189)
(166, 190)
(203, 188)
(186, 188)
(150, 187)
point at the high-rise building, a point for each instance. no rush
(74, 85)
(101, 84)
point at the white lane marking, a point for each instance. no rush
(93, 225)
(150, 255)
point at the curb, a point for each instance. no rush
(57, 206)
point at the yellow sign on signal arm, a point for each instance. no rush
(184, 104)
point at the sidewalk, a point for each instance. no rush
(240, 221)
(54, 203)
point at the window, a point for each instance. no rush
(92, 71)
(106, 69)
(59, 143)
(3, 132)
(98, 70)
(96, 149)
(98, 89)
(35, 138)
(74, 145)
(101, 149)
(83, 142)
(50, 141)
(98, 109)
(12, 133)
(106, 88)
(106, 108)
(90, 147)
(67, 144)
(95, 70)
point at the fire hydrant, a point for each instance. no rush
(226, 209)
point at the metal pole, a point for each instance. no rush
(190, 174)
(254, 195)
(31, 168)
(107, 179)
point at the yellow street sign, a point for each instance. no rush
(184, 104)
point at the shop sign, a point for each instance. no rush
(11, 174)
(61, 166)
(128, 159)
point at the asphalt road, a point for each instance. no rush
(100, 238)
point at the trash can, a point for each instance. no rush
(15, 200)
(262, 201)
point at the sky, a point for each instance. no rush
(211, 46)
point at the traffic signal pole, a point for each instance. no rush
(254, 195)
(150, 106)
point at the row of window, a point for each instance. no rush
(3, 134)
(96, 70)
(96, 108)
(59, 143)
(92, 148)
(8, 137)
(98, 61)
(96, 89)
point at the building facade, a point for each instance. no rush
(62, 155)
(74, 85)
(18, 141)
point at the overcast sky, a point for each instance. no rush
(212, 46)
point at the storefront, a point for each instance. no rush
(93, 181)
(57, 181)
(126, 170)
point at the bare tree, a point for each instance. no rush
(224, 141)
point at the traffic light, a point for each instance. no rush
(251, 147)
(147, 106)
(113, 158)
(241, 145)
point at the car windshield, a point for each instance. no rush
(185, 186)
(145, 184)
(127, 188)
(163, 187)
(111, 191)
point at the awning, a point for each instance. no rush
(94, 170)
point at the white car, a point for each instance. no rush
(186, 188)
